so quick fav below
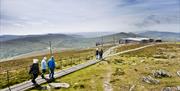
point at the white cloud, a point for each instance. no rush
(58, 16)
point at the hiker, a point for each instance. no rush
(101, 54)
(43, 67)
(97, 53)
(51, 65)
(34, 70)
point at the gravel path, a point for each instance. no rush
(107, 79)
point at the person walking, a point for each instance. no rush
(51, 65)
(101, 54)
(97, 53)
(34, 71)
(43, 67)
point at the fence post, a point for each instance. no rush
(60, 63)
(8, 80)
(79, 60)
(71, 61)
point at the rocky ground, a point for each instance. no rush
(151, 69)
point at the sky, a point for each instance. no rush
(23, 17)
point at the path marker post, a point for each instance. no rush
(8, 80)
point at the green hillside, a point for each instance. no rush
(59, 41)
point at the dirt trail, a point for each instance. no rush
(106, 84)
(107, 79)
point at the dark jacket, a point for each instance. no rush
(51, 63)
(97, 52)
(101, 53)
(34, 69)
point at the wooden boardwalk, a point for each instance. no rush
(28, 84)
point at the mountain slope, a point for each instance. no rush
(9, 37)
(33, 43)
(116, 36)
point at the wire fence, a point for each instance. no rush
(20, 74)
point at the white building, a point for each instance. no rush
(135, 40)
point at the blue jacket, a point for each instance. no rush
(51, 63)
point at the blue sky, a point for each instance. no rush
(22, 17)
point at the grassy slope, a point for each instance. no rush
(88, 79)
(141, 63)
(18, 69)
(128, 47)
(133, 67)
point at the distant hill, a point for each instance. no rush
(117, 36)
(30, 43)
(93, 34)
(9, 37)
(167, 36)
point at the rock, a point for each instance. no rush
(150, 80)
(160, 56)
(167, 89)
(132, 87)
(178, 73)
(178, 88)
(161, 73)
(142, 61)
(170, 89)
(59, 85)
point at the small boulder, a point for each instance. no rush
(59, 85)
(167, 89)
(170, 89)
(150, 80)
(132, 88)
(161, 73)
(178, 73)
(178, 88)
(160, 56)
